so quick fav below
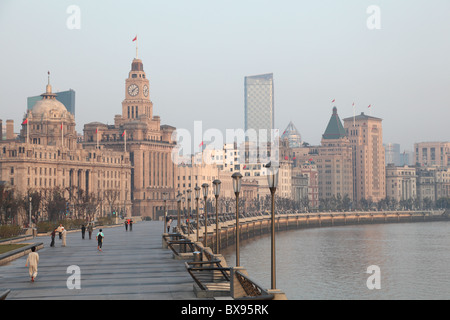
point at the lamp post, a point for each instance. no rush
(165, 211)
(237, 188)
(179, 195)
(272, 179)
(183, 206)
(205, 187)
(188, 221)
(216, 185)
(197, 196)
(30, 198)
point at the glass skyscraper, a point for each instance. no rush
(259, 103)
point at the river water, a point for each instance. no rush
(332, 263)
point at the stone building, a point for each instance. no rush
(333, 160)
(138, 131)
(46, 155)
(366, 138)
(401, 182)
(432, 154)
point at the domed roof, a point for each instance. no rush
(48, 103)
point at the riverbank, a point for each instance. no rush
(261, 224)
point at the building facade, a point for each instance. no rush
(259, 103)
(401, 182)
(369, 171)
(432, 154)
(46, 156)
(140, 133)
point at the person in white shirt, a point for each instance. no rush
(32, 263)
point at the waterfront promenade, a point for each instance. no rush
(132, 266)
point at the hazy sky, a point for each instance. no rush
(197, 53)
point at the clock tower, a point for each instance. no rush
(137, 94)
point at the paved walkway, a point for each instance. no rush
(132, 266)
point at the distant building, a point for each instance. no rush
(332, 160)
(369, 169)
(400, 182)
(67, 98)
(138, 131)
(259, 103)
(292, 135)
(46, 155)
(432, 154)
(392, 153)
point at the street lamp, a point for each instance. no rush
(179, 195)
(216, 185)
(30, 198)
(165, 211)
(205, 187)
(197, 196)
(272, 179)
(189, 211)
(183, 201)
(237, 188)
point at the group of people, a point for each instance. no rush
(127, 223)
(62, 235)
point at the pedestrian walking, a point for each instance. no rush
(52, 244)
(126, 225)
(131, 225)
(83, 231)
(168, 225)
(90, 229)
(32, 263)
(100, 237)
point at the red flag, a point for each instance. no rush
(124, 132)
(310, 160)
(333, 100)
(96, 130)
(61, 126)
(200, 144)
(286, 157)
(135, 38)
(25, 121)
(245, 167)
(369, 106)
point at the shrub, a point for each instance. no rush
(9, 231)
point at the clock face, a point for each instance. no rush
(146, 91)
(133, 90)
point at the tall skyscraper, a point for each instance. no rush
(366, 137)
(259, 103)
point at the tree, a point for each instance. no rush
(55, 203)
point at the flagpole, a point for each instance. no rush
(354, 114)
(28, 133)
(96, 131)
(136, 47)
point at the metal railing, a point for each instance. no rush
(252, 289)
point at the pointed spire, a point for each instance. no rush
(48, 89)
(335, 129)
